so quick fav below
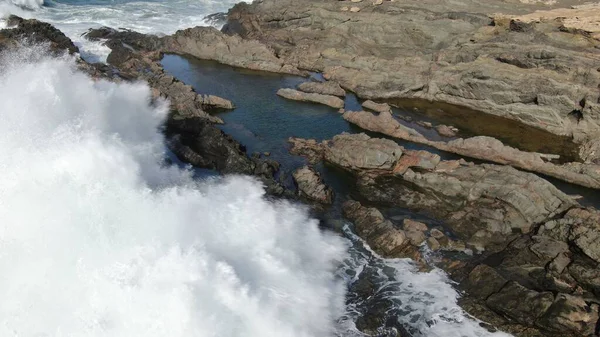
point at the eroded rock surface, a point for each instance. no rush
(297, 95)
(485, 148)
(311, 186)
(485, 205)
(324, 88)
(464, 53)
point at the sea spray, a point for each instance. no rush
(29, 4)
(424, 303)
(75, 17)
(99, 238)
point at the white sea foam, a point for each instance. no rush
(31, 4)
(425, 303)
(75, 17)
(98, 239)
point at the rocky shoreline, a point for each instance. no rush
(525, 253)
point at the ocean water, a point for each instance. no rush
(75, 17)
(100, 237)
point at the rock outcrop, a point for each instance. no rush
(530, 259)
(542, 74)
(485, 205)
(34, 31)
(297, 95)
(484, 148)
(325, 88)
(190, 130)
(208, 43)
(311, 186)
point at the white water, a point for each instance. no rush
(75, 17)
(424, 302)
(30, 4)
(98, 239)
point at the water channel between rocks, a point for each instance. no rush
(263, 121)
(422, 303)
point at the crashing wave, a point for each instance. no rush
(99, 238)
(30, 4)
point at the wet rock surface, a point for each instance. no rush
(529, 253)
(525, 253)
(311, 186)
(33, 31)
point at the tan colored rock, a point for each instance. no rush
(296, 95)
(433, 244)
(481, 147)
(325, 88)
(311, 186)
(412, 225)
(582, 17)
(377, 107)
(361, 152)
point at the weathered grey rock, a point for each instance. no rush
(483, 281)
(445, 130)
(34, 31)
(311, 186)
(519, 303)
(144, 65)
(308, 148)
(377, 107)
(417, 161)
(481, 147)
(296, 95)
(570, 313)
(361, 152)
(440, 51)
(379, 232)
(208, 43)
(325, 88)
(485, 205)
(588, 277)
(384, 122)
(590, 151)
(585, 233)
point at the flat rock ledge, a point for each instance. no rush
(481, 147)
(297, 95)
(325, 88)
